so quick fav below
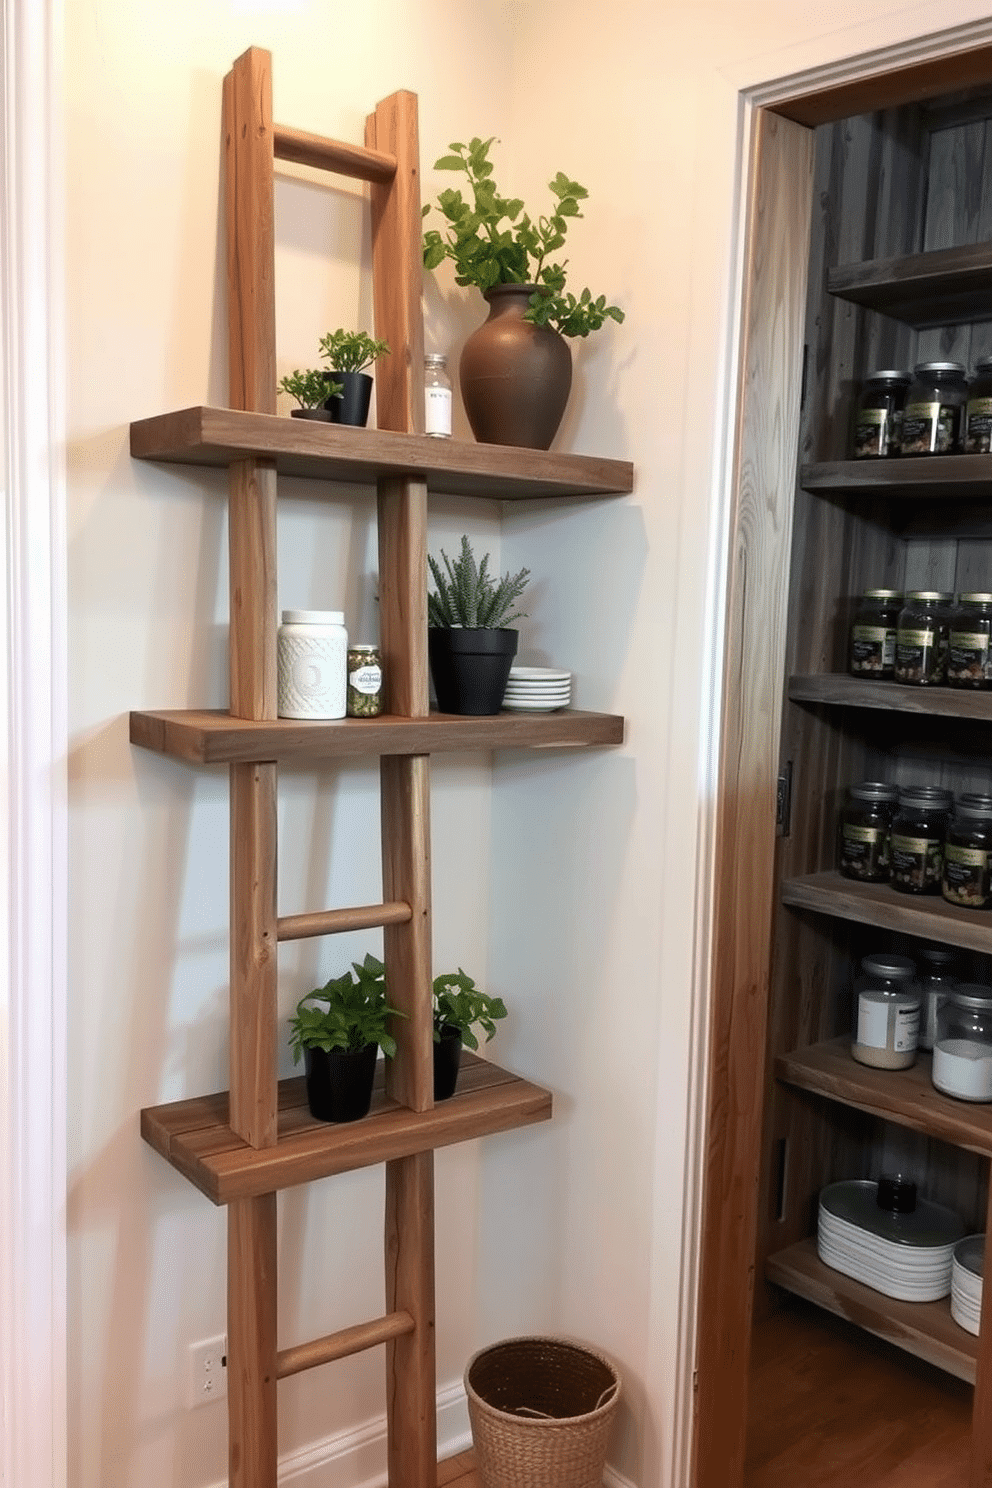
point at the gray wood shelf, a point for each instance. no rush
(922, 478)
(926, 916)
(838, 689)
(948, 286)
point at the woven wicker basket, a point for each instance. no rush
(541, 1411)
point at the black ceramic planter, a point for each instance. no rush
(319, 415)
(351, 406)
(339, 1083)
(447, 1057)
(470, 668)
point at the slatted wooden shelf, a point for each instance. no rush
(925, 1329)
(208, 737)
(333, 452)
(921, 478)
(907, 1097)
(947, 286)
(838, 689)
(194, 1135)
(927, 916)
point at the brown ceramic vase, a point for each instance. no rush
(515, 377)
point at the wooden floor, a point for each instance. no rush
(458, 1472)
(832, 1407)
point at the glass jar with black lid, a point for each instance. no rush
(865, 827)
(969, 654)
(921, 637)
(968, 853)
(878, 421)
(978, 412)
(917, 841)
(933, 414)
(872, 650)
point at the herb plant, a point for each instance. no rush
(492, 240)
(311, 388)
(356, 1013)
(351, 351)
(467, 595)
(459, 1003)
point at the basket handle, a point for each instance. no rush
(528, 1410)
(608, 1394)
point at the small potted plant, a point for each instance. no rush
(348, 353)
(459, 1007)
(470, 643)
(339, 1029)
(515, 370)
(312, 390)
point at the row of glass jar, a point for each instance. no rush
(923, 638)
(932, 411)
(910, 837)
(898, 1010)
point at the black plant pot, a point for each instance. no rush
(339, 1083)
(352, 405)
(470, 668)
(319, 415)
(447, 1057)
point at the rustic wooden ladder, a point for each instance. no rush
(389, 162)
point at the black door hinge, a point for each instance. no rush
(802, 390)
(783, 800)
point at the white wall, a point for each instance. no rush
(581, 904)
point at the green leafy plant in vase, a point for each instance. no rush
(348, 353)
(470, 642)
(339, 1040)
(459, 1008)
(311, 389)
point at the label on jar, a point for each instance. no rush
(967, 657)
(917, 862)
(864, 852)
(907, 1028)
(366, 679)
(966, 876)
(872, 433)
(978, 440)
(873, 1023)
(437, 411)
(920, 421)
(917, 655)
(873, 648)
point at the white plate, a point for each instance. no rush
(520, 705)
(537, 694)
(539, 674)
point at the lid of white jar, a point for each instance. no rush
(313, 617)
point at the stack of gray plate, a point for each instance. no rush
(966, 1282)
(904, 1255)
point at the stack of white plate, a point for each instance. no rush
(537, 690)
(906, 1256)
(966, 1282)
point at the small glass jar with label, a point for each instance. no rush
(933, 414)
(437, 396)
(878, 421)
(937, 979)
(312, 649)
(917, 842)
(865, 828)
(872, 650)
(969, 654)
(887, 1012)
(978, 413)
(364, 682)
(921, 638)
(968, 854)
(962, 1050)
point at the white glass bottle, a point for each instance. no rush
(437, 396)
(313, 664)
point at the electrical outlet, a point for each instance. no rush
(207, 1371)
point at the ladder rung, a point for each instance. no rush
(340, 1345)
(332, 155)
(334, 921)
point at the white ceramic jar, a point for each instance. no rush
(313, 664)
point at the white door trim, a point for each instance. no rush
(33, 751)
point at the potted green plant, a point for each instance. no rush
(340, 1039)
(311, 389)
(348, 354)
(516, 369)
(469, 641)
(459, 1007)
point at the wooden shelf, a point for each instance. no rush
(907, 1097)
(839, 689)
(949, 286)
(333, 452)
(926, 916)
(194, 1136)
(920, 478)
(925, 1329)
(209, 737)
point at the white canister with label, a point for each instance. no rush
(313, 664)
(887, 1013)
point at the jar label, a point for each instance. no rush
(966, 876)
(873, 1023)
(872, 433)
(929, 428)
(967, 658)
(873, 648)
(864, 852)
(906, 1034)
(917, 862)
(917, 656)
(437, 410)
(979, 426)
(366, 679)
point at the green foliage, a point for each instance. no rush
(459, 1003)
(468, 596)
(351, 351)
(356, 1013)
(311, 388)
(492, 240)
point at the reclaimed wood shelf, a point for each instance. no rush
(926, 916)
(335, 452)
(907, 1097)
(925, 1329)
(918, 478)
(208, 736)
(947, 286)
(195, 1137)
(841, 690)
